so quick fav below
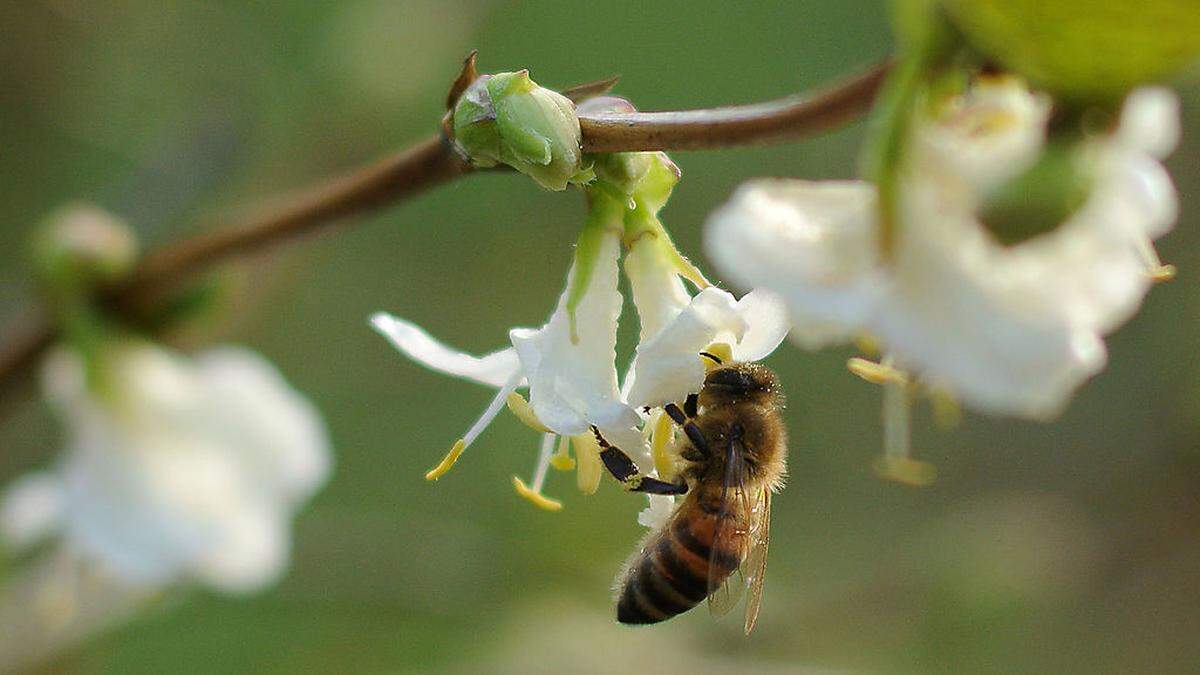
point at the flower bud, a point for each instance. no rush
(508, 119)
(80, 246)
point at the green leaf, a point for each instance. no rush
(1084, 50)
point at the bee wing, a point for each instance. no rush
(756, 560)
(725, 591)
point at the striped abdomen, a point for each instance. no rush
(671, 573)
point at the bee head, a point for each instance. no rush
(740, 381)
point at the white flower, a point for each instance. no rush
(569, 365)
(572, 379)
(1012, 330)
(178, 469)
(571, 371)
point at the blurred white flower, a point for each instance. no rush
(174, 468)
(1010, 329)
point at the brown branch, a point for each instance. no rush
(424, 165)
(433, 161)
(789, 118)
(22, 352)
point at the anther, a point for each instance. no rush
(1155, 269)
(448, 461)
(536, 498)
(561, 459)
(664, 463)
(520, 407)
(876, 373)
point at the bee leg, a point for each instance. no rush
(689, 427)
(654, 486)
(691, 405)
(622, 467)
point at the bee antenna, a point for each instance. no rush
(712, 357)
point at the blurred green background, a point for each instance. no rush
(1067, 547)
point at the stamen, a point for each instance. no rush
(1157, 271)
(876, 373)
(561, 460)
(905, 470)
(588, 466)
(476, 429)
(660, 440)
(524, 412)
(543, 462)
(897, 463)
(448, 461)
(536, 498)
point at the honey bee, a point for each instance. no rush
(714, 545)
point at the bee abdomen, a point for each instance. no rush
(672, 573)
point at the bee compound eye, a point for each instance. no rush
(732, 378)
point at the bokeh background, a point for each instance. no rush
(1064, 547)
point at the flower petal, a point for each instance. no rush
(252, 554)
(573, 382)
(1150, 121)
(668, 367)
(984, 137)
(767, 324)
(657, 512)
(811, 243)
(658, 292)
(254, 414)
(492, 369)
(31, 510)
(149, 507)
(989, 323)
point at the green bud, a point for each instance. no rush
(1042, 197)
(624, 171)
(81, 246)
(508, 119)
(1083, 50)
